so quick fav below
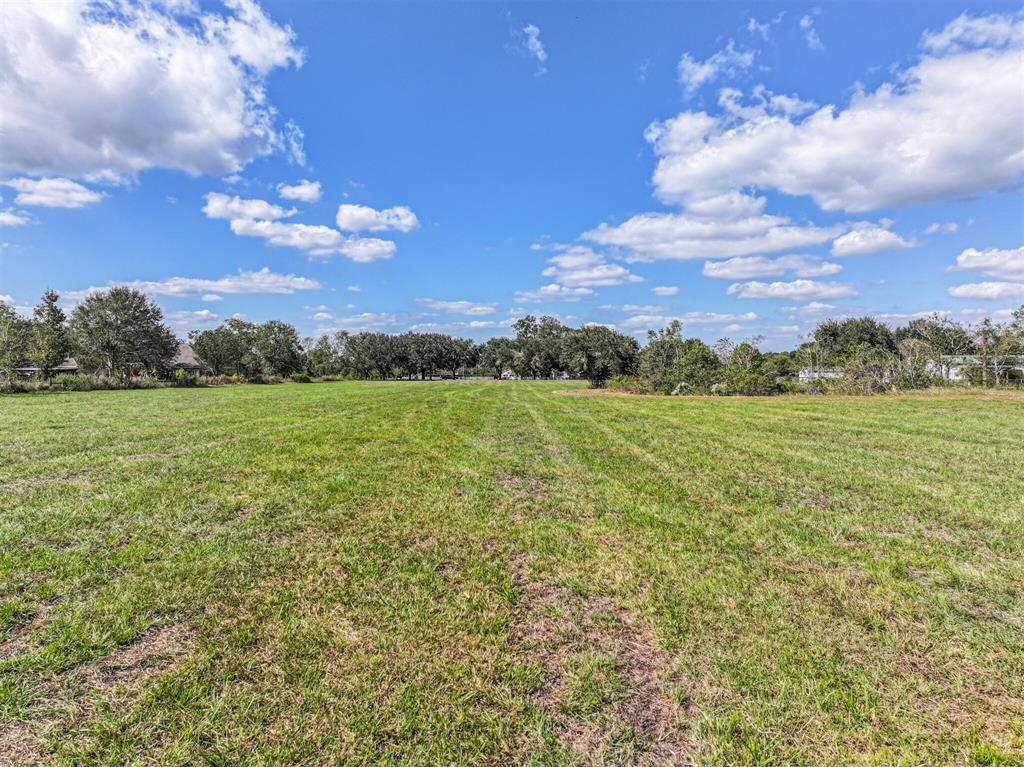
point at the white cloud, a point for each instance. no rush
(361, 322)
(747, 267)
(967, 32)
(811, 34)
(867, 239)
(644, 321)
(680, 236)
(221, 206)
(321, 316)
(726, 62)
(552, 292)
(950, 227)
(6, 299)
(988, 290)
(947, 127)
(665, 290)
(360, 218)
(458, 307)
(52, 192)
(764, 28)
(460, 327)
(808, 310)
(1006, 264)
(353, 289)
(580, 266)
(797, 289)
(304, 191)
(11, 217)
(182, 320)
(261, 281)
(211, 297)
(534, 46)
(315, 239)
(106, 90)
(632, 308)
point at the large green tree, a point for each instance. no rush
(597, 353)
(120, 332)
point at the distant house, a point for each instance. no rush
(67, 366)
(809, 375)
(955, 367)
(185, 359)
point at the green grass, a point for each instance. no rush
(510, 573)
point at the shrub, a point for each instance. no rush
(181, 378)
(78, 382)
(301, 378)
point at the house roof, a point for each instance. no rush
(185, 357)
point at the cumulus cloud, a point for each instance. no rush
(11, 217)
(258, 218)
(988, 290)
(946, 127)
(797, 289)
(645, 321)
(951, 227)
(360, 218)
(867, 239)
(189, 320)
(460, 326)
(360, 322)
(681, 236)
(579, 265)
(262, 281)
(665, 290)
(552, 292)
(106, 90)
(211, 297)
(747, 267)
(727, 62)
(1006, 263)
(304, 191)
(808, 310)
(458, 307)
(51, 192)
(221, 206)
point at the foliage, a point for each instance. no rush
(50, 343)
(597, 353)
(15, 333)
(120, 332)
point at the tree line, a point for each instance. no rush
(119, 333)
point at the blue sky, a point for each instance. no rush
(749, 169)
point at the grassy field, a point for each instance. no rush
(510, 573)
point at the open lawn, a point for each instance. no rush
(510, 573)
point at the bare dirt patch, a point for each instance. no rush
(557, 627)
(26, 484)
(148, 655)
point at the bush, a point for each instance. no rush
(220, 380)
(266, 379)
(79, 382)
(181, 378)
(301, 378)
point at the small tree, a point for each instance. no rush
(15, 333)
(50, 343)
(120, 331)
